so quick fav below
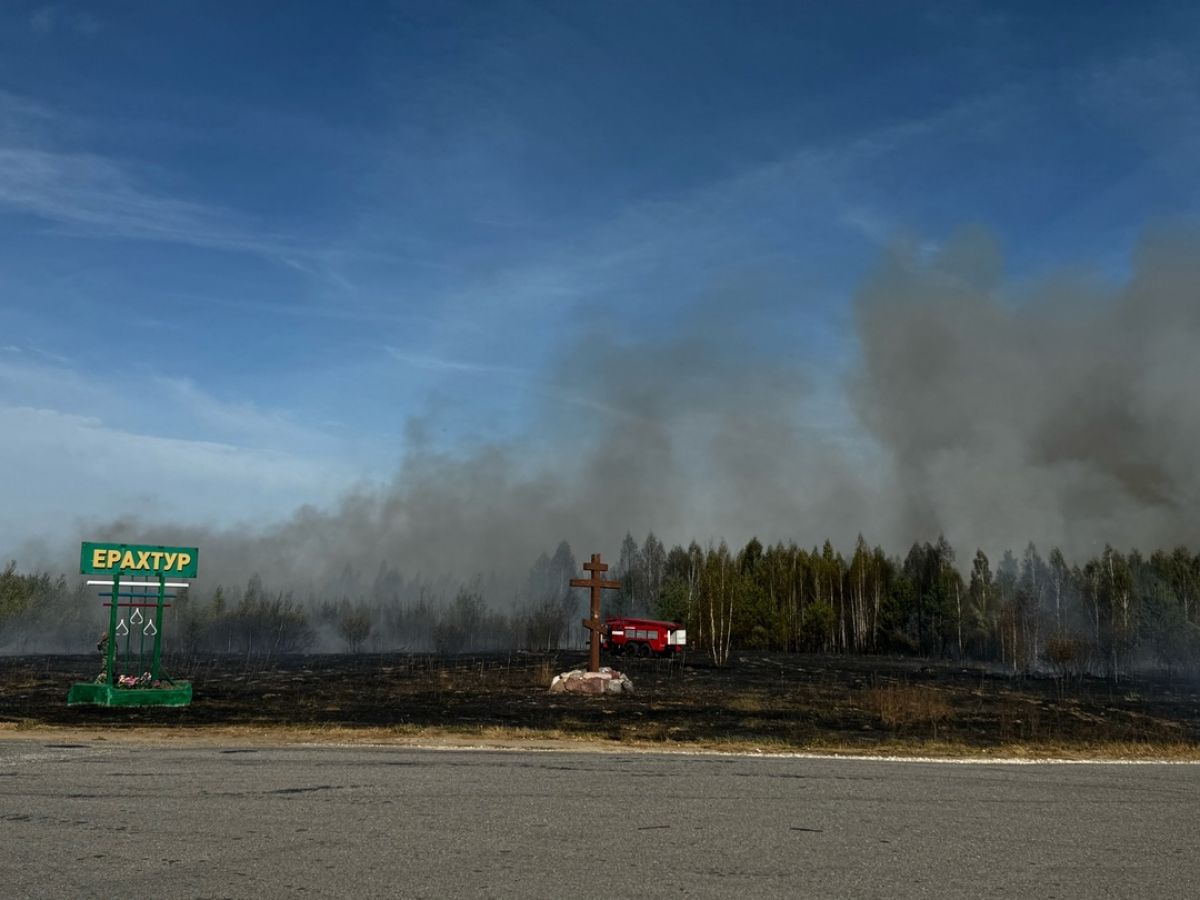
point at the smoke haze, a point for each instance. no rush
(1062, 411)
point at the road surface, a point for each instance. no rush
(100, 819)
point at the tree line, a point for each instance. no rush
(1104, 615)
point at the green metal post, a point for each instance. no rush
(158, 614)
(128, 637)
(142, 642)
(112, 628)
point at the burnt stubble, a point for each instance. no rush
(775, 702)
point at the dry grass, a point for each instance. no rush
(642, 738)
(543, 673)
(903, 705)
(748, 703)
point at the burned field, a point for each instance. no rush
(777, 703)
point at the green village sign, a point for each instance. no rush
(138, 559)
(140, 579)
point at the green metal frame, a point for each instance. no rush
(108, 693)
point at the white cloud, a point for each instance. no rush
(78, 445)
(60, 468)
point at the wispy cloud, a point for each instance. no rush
(448, 364)
(584, 400)
(1152, 98)
(97, 196)
(28, 379)
(61, 465)
(156, 404)
(81, 442)
(329, 312)
(528, 380)
(869, 223)
(243, 422)
(58, 17)
(17, 110)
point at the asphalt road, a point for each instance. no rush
(107, 820)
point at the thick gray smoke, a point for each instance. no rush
(1063, 412)
(1059, 412)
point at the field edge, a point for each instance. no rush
(500, 738)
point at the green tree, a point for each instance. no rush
(722, 591)
(16, 592)
(817, 626)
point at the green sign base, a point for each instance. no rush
(105, 695)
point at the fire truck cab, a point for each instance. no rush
(642, 637)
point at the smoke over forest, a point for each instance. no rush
(1061, 411)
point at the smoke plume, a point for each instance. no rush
(1063, 411)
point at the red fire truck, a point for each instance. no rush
(642, 637)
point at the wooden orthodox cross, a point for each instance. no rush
(597, 584)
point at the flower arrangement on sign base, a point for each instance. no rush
(145, 680)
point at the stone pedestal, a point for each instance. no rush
(605, 681)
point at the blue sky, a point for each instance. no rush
(242, 246)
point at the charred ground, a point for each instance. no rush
(777, 702)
